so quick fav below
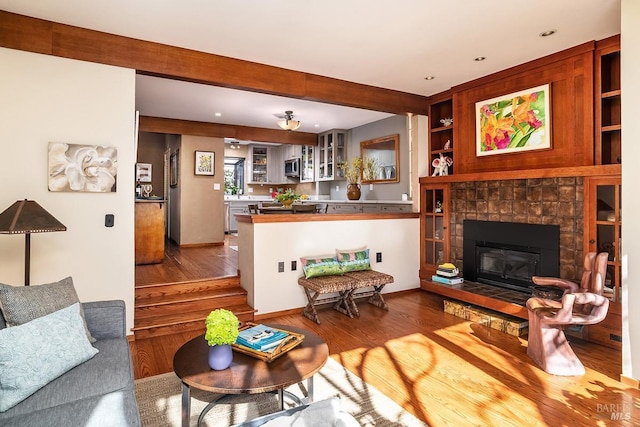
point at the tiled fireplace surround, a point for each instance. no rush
(534, 201)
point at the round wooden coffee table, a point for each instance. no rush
(248, 374)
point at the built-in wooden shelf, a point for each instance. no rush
(598, 170)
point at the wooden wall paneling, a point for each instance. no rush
(40, 36)
(571, 81)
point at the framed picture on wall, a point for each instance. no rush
(205, 163)
(173, 169)
(143, 172)
(519, 121)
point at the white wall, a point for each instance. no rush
(630, 38)
(45, 98)
(397, 239)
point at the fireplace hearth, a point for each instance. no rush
(508, 254)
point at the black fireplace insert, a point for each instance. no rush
(508, 254)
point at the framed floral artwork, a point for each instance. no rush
(520, 121)
(205, 163)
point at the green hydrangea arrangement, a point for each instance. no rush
(222, 327)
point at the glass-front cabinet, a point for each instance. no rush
(307, 163)
(603, 232)
(259, 160)
(434, 231)
(331, 151)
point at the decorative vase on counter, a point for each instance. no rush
(353, 191)
(287, 203)
(220, 357)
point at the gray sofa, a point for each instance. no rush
(98, 392)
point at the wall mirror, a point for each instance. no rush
(380, 160)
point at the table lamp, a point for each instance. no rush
(26, 217)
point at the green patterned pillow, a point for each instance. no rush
(37, 352)
(321, 266)
(354, 260)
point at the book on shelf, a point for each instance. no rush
(452, 281)
(447, 270)
(261, 337)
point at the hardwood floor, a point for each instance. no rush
(184, 264)
(450, 372)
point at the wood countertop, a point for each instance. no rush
(314, 217)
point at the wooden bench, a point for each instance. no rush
(346, 287)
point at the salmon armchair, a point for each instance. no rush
(581, 305)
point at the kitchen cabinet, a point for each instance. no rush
(149, 231)
(276, 166)
(331, 151)
(344, 208)
(291, 151)
(307, 163)
(434, 228)
(258, 164)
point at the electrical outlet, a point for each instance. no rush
(378, 256)
(281, 267)
(337, 188)
(294, 265)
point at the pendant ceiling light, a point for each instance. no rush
(287, 123)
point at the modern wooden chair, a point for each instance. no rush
(580, 305)
(253, 209)
(322, 207)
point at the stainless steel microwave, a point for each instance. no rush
(292, 168)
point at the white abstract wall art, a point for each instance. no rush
(82, 168)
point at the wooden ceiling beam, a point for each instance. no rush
(217, 130)
(150, 58)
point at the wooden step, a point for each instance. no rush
(168, 308)
(206, 300)
(185, 288)
(186, 321)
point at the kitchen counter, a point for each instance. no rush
(149, 235)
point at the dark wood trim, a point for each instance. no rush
(155, 59)
(605, 170)
(263, 219)
(481, 300)
(217, 130)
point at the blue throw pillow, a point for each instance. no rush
(37, 352)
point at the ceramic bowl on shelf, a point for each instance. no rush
(447, 121)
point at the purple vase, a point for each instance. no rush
(220, 357)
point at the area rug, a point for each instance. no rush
(160, 405)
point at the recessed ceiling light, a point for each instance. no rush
(316, 125)
(429, 78)
(218, 114)
(479, 58)
(547, 33)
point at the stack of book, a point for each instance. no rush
(447, 274)
(261, 338)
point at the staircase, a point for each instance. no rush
(169, 308)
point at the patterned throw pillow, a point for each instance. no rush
(354, 260)
(21, 304)
(39, 351)
(321, 266)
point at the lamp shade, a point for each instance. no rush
(27, 216)
(288, 123)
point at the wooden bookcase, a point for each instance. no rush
(434, 228)
(439, 134)
(608, 106)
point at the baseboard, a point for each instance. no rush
(201, 245)
(631, 382)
